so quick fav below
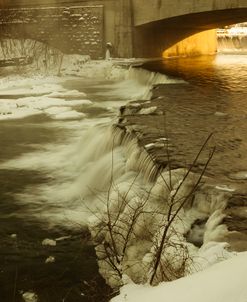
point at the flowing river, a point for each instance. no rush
(56, 157)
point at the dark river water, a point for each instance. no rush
(23, 223)
(213, 100)
(74, 276)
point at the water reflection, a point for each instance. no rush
(213, 100)
(221, 72)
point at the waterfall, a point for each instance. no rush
(134, 201)
(101, 178)
(233, 39)
(95, 153)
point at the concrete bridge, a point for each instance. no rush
(163, 24)
(140, 28)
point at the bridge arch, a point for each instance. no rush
(161, 34)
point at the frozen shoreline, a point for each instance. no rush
(59, 105)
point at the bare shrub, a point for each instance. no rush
(138, 235)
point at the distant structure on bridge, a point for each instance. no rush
(140, 28)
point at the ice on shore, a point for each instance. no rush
(33, 105)
(225, 281)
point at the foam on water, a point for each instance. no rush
(233, 43)
(137, 84)
(96, 168)
(80, 165)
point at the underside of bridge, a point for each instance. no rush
(86, 28)
(184, 35)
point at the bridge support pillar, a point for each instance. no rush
(123, 29)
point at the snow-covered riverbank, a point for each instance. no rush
(90, 169)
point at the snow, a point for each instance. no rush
(79, 66)
(149, 110)
(218, 113)
(30, 297)
(63, 238)
(49, 242)
(69, 115)
(149, 146)
(17, 114)
(50, 259)
(29, 106)
(53, 96)
(237, 31)
(63, 113)
(225, 188)
(241, 175)
(157, 144)
(135, 83)
(56, 110)
(21, 88)
(222, 282)
(67, 94)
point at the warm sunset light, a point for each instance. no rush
(202, 43)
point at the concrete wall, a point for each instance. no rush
(155, 10)
(71, 29)
(116, 23)
(123, 29)
(166, 24)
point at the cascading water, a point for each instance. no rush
(66, 157)
(233, 39)
(86, 169)
(232, 44)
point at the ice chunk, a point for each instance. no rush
(147, 111)
(225, 188)
(241, 175)
(30, 297)
(63, 238)
(149, 146)
(69, 115)
(67, 94)
(50, 259)
(218, 113)
(49, 242)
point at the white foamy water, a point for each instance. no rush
(79, 165)
(94, 169)
(233, 42)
